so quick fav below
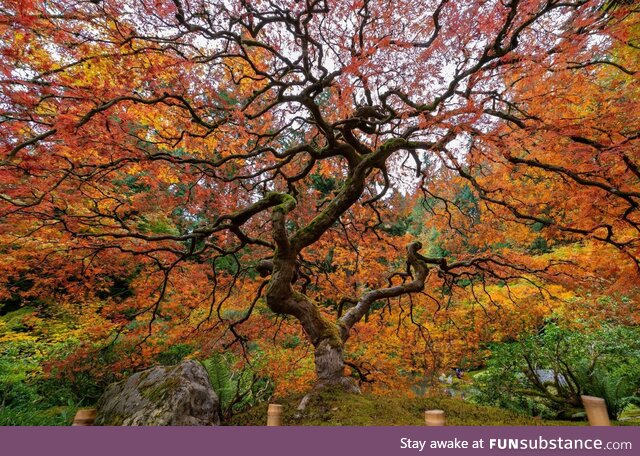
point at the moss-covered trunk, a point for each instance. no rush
(283, 299)
(321, 332)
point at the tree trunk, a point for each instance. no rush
(330, 366)
(328, 345)
(323, 334)
(329, 362)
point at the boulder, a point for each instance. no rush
(161, 396)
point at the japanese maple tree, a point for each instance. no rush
(211, 142)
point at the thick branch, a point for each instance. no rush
(420, 272)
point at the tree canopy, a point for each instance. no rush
(209, 170)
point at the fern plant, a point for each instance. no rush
(237, 389)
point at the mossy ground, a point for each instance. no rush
(631, 415)
(335, 408)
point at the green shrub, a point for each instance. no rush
(546, 374)
(174, 354)
(26, 397)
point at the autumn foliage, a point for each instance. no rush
(246, 176)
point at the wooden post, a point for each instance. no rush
(596, 409)
(274, 415)
(434, 417)
(84, 417)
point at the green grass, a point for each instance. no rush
(335, 408)
(30, 415)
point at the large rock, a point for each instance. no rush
(161, 396)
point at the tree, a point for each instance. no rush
(204, 140)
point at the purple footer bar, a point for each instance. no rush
(318, 441)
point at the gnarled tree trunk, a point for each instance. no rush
(324, 335)
(328, 337)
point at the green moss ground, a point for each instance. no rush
(332, 408)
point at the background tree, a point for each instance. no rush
(161, 155)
